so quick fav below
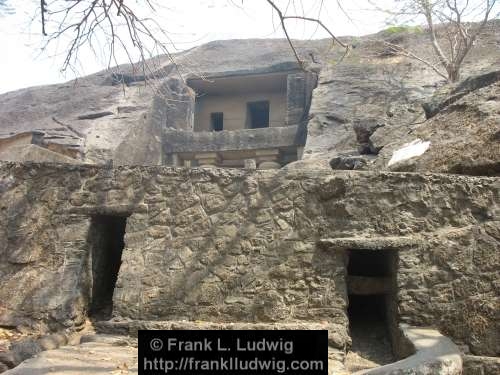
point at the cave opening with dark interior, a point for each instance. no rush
(106, 237)
(370, 282)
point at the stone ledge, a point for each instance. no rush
(433, 354)
(369, 243)
(109, 209)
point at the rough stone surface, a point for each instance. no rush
(442, 287)
(433, 354)
(248, 139)
(93, 358)
(370, 243)
(372, 103)
(242, 245)
(32, 152)
(480, 365)
(462, 137)
(451, 93)
(349, 163)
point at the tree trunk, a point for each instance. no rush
(453, 73)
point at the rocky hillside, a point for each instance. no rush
(101, 119)
(464, 136)
(366, 106)
(370, 105)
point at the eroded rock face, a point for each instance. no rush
(457, 257)
(119, 114)
(371, 103)
(452, 93)
(462, 137)
(242, 245)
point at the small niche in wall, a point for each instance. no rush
(106, 237)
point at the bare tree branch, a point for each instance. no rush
(404, 52)
(283, 17)
(459, 35)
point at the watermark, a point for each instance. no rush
(233, 352)
(156, 345)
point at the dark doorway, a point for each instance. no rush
(370, 263)
(258, 114)
(107, 242)
(370, 278)
(217, 121)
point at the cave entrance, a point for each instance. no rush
(107, 242)
(371, 310)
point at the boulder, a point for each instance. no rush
(349, 163)
(463, 137)
(448, 95)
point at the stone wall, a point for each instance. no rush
(242, 246)
(234, 107)
(200, 245)
(452, 282)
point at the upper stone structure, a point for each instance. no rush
(260, 94)
(259, 117)
(244, 102)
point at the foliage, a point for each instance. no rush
(403, 29)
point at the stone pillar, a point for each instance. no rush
(175, 160)
(207, 159)
(300, 152)
(250, 164)
(268, 159)
(295, 98)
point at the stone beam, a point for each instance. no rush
(369, 243)
(178, 141)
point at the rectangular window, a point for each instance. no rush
(258, 114)
(217, 121)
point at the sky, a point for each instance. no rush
(188, 22)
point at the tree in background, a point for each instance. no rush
(451, 33)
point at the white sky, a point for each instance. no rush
(189, 23)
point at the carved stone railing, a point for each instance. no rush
(179, 141)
